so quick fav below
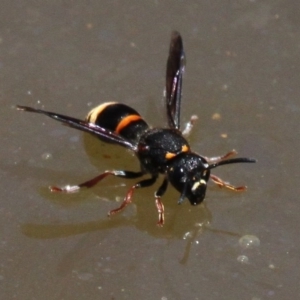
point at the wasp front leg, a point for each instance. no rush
(222, 183)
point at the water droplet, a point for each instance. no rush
(46, 156)
(249, 241)
(74, 139)
(187, 235)
(243, 259)
(85, 276)
(271, 266)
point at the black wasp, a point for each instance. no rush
(160, 150)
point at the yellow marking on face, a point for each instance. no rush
(127, 120)
(95, 112)
(198, 183)
(202, 182)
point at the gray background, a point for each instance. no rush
(68, 56)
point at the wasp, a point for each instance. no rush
(161, 151)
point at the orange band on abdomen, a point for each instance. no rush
(127, 120)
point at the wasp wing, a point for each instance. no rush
(100, 132)
(175, 69)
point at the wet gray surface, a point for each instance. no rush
(242, 63)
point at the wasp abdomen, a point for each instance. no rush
(120, 118)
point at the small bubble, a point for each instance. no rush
(46, 156)
(109, 271)
(85, 276)
(224, 87)
(74, 139)
(249, 241)
(216, 116)
(271, 266)
(243, 259)
(119, 199)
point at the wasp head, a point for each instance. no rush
(189, 173)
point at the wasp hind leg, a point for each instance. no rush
(218, 181)
(95, 180)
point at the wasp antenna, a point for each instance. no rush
(232, 161)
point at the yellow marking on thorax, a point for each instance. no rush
(185, 148)
(170, 155)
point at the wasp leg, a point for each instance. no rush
(189, 126)
(222, 157)
(222, 183)
(127, 199)
(159, 205)
(94, 181)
